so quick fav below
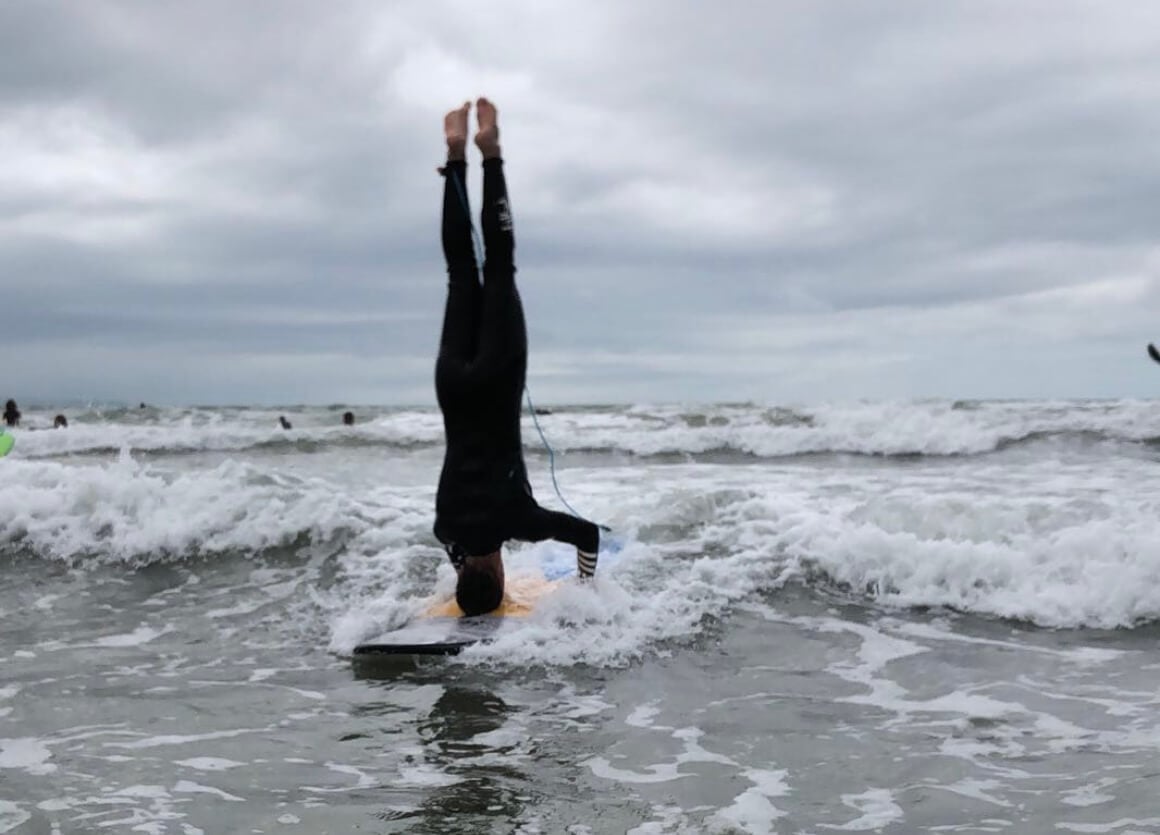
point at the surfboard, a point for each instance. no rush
(442, 629)
(6, 443)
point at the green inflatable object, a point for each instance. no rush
(6, 443)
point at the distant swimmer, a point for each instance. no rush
(348, 418)
(60, 422)
(285, 424)
(11, 413)
(484, 498)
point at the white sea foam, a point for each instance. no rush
(1090, 795)
(877, 650)
(180, 739)
(153, 807)
(190, 787)
(983, 790)
(642, 716)
(1119, 825)
(661, 772)
(672, 820)
(877, 807)
(364, 780)
(140, 635)
(752, 811)
(209, 763)
(931, 632)
(12, 816)
(422, 775)
(26, 754)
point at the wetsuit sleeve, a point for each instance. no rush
(457, 344)
(485, 336)
(503, 332)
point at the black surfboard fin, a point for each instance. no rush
(1153, 353)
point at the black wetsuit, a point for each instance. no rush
(484, 497)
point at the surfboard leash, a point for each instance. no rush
(478, 244)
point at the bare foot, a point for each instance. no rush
(487, 139)
(455, 130)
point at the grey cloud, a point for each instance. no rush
(884, 190)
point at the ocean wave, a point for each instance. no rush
(720, 433)
(722, 452)
(1051, 540)
(130, 514)
(995, 543)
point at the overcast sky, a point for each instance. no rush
(228, 202)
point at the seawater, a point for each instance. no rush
(880, 617)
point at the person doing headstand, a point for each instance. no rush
(484, 497)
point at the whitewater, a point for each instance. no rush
(877, 616)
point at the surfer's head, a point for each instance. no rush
(348, 418)
(480, 586)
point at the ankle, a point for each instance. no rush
(490, 151)
(456, 151)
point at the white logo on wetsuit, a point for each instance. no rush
(505, 214)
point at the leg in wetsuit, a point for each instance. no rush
(484, 497)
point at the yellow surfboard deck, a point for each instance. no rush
(521, 593)
(441, 628)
